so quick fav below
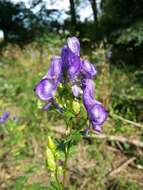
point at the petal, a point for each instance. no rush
(47, 106)
(88, 70)
(76, 90)
(98, 114)
(45, 89)
(71, 63)
(96, 128)
(74, 45)
(88, 101)
(88, 93)
(88, 86)
(55, 69)
(74, 65)
(64, 56)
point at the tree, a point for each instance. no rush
(15, 21)
(121, 24)
(94, 9)
(21, 24)
(72, 12)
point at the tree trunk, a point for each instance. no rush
(73, 12)
(94, 9)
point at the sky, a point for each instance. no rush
(85, 11)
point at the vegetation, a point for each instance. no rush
(113, 42)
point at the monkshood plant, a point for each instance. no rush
(68, 90)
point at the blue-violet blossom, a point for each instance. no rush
(96, 112)
(4, 117)
(87, 69)
(80, 72)
(46, 88)
(70, 55)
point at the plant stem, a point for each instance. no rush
(125, 120)
(65, 166)
(56, 176)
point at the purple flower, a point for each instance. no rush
(76, 90)
(97, 115)
(71, 63)
(74, 65)
(96, 112)
(87, 69)
(45, 89)
(55, 70)
(74, 45)
(88, 93)
(4, 117)
(71, 67)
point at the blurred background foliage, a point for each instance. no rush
(118, 23)
(112, 39)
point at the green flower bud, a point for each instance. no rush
(51, 144)
(50, 160)
(76, 106)
(60, 170)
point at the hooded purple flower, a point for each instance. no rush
(97, 115)
(96, 112)
(46, 88)
(4, 117)
(70, 66)
(70, 58)
(87, 69)
(88, 93)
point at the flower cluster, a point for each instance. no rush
(69, 67)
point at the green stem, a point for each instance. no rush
(56, 176)
(113, 115)
(65, 166)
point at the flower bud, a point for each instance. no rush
(76, 106)
(50, 159)
(51, 144)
